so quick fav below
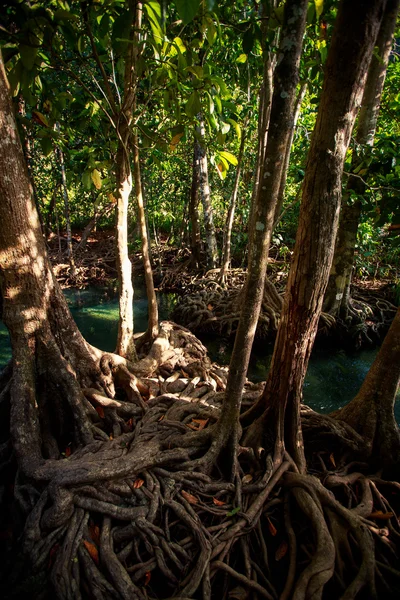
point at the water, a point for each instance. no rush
(333, 378)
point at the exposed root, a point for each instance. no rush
(138, 511)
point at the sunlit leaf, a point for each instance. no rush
(229, 156)
(96, 178)
(319, 7)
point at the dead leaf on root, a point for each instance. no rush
(94, 531)
(378, 514)
(281, 551)
(198, 424)
(138, 483)
(218, 502)
(247, 478)
(272, 529)
(92, 549)
(147, 578)
(189, 497)
(100, 411)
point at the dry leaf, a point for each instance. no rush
(161, 418)
(281, 551)
(210, 306)
(272, 529)
(68, 451)
(91, 548)
(147, 578)
(218, 502)
(94, 531)
(198, 424)
(189, 497)
(130, 423)
(332, 459)
(138, 483)
(247, 478)
(111, 436)
(100, 411)
(378, 514)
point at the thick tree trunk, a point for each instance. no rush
(371, 412)
(280, 127)
(226, 247)
(345, 74)
(48, 350)
(338, 297)
(205, 196)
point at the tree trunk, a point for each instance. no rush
(152, 327)
(226, 247)
(46, 344)
(371, 412)
(204, 192)
(91, 226)
(338, 297)
(280, 126)
(125, 340)
(195, 238)
(345, 74)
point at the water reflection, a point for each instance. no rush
(333, 377)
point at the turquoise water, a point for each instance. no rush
(333, 377)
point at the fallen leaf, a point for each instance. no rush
(281, 551)
(130, 423)
(272, 529)
(218, 502)
(198, 424)
(247, 478)
(332, 459)
(147, 578)
(111, 436)
(94, 531)
(378, 514)
(100, 411)
(68, 451)
(138, 483)
(91, 548)
(189, 497)
(210, 306)
(161, 418)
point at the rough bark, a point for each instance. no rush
(338, 294)
(280, 126)
(226, 246)
(205, 196)
(371, 412)
(64, 187)
(345, 74)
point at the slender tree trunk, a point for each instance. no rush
(346, 70)
(204, 192)
(281, 195)
(152, 327)
(195, 238)
(280, 126)
(50, 210)
(125, 340)
(338, 295)
(64, 188)
(371, 412)
(226, 247)
(91, 226)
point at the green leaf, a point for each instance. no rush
(229, 157)
(87, 180)
(193, 105)
(225, 127)
(319, 7)
(233, 512)
(96, 178)
(197, 71)
(153, 10)
(242, 58)
(28, 56)
(47, 145)
(187, 9)
(64, 15)
(210, 103)
(236, 127)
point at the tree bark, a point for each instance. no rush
(92, 225)
(64, 187)
(371, 412)
(338, 294)
(345, 74)
(280, 126)
(49, 353)
(204, 192)
(125, 340)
